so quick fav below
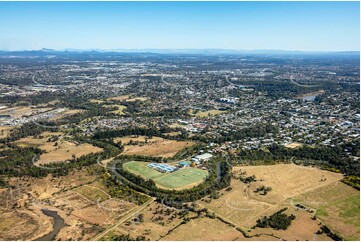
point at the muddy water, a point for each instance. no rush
(58, 224)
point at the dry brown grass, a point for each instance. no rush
(151, 229)
(20, 111)
(119, 98)
(74, 197)
(63, 151)
(96, 101)
(127, 98)
(293, 145)
(5, 131)
(205, 114)
(23, 224)
(142, 99)
(140, 138)
(338, 206)
(120, 109)
(160, 148)
(302, 228)
(204, 229)
(41, 140)
(242, 206)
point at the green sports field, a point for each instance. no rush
(182, 179)
(141, 169)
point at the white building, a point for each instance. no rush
(202, 157)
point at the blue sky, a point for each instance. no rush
(308, 26)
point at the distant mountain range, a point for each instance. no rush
(182, 51)
(116, 52)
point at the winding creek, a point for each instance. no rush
(58, 224)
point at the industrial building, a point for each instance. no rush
(203, 157)
(165, 168)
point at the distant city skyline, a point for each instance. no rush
(289, 26)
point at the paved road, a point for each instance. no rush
(301, 85)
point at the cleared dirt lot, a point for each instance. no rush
(160, 148)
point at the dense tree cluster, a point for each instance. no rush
(123, 237)
(329, 233)
(247, 179)
(27, 129)
(278, 220)
(263, 190)
(124, 192)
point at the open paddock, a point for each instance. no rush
(119, 98)
(64, 151)
(243, 206)
(139, 138)
(57, 150)
(293, 145)
(161, 148)
(23, 224)
(119, 108)
(92, 204)
(5, 131)
(151, 228)
(21, 111)
(338, 206)
(204, 229)
(127, 98)
(205, 114)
